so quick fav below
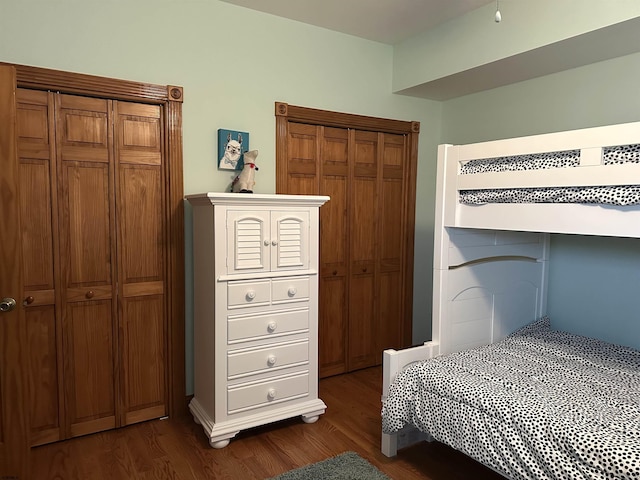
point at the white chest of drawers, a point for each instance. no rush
(255, 271)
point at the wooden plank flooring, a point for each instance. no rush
(177, 449)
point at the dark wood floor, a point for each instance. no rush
(177, 449)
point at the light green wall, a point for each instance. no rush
(593, 282)
(233, 63)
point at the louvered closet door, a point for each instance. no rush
(141, 251)
(87, 260)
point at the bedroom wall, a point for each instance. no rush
(593, 282)
(233, 63)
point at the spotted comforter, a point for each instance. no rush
(619, 195)
(540, 404)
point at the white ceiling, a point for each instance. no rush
(386, 21)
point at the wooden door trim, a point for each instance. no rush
(286, 113)
(170, 97)
(14, 420)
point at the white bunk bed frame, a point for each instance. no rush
(491, 261)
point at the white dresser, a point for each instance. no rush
(255, 269)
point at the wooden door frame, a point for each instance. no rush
(286, 113)
(170, 98)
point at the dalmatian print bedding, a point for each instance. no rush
(540, 404)
(615, 195)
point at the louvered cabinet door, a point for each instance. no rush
(267, 241)
(289, 248)
(248, 241)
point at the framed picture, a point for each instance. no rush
(231, 147)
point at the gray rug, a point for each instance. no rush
(346, 466)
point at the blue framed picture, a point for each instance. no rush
(231, 147)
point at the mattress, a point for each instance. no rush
(540, 404)
(619, 195)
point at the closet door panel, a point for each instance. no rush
(37, 202)
(302, 150)
(363, 330)
(334, 251)
(86, 222)
(391, 246)
(333, 319)
(44, 381)
(90, 379)
(87, 255)
(141, 251)
(143, 353)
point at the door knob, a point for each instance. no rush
(7, 304)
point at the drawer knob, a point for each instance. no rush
(266, 242)
(271, 326)
(89, 294)
(271, 360)
(274, 242)
(271, 394)
(250, 295)
(292, 291)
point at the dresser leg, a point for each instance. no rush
(220, 443)
(310, 418)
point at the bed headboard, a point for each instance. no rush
(490, 261)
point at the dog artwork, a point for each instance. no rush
(232, 153)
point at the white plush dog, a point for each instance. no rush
(245, 181)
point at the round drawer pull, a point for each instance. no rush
(271, 326)
(89, 294)
(292, 291)
(271, 394)
(266, 242)
(29, 300)
(274, 242)
(250, 295)
(271, 360)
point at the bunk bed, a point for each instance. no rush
(497, 381)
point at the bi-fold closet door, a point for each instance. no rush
(366, 232)
(92, 205)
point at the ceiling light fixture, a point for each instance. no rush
(498, 16)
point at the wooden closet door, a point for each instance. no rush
(367, 167)
(334, 250)
(36, 153)
(141, 250)
(392, 225)
(87, 260)
(364, 324)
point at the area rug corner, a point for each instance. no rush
(346, 466)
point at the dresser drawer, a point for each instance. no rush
(266, 324)
(290, 289)
(259, 394)
(274, 357)
(243, 294)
